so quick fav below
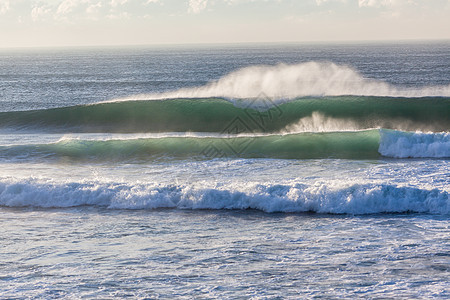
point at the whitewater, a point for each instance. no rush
(292, 171)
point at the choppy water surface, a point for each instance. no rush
(91, 252)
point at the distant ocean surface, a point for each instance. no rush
(256, 171)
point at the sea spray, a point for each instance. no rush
(284, 81)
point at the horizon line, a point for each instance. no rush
(205, 44)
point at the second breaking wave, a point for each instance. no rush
(368, 144)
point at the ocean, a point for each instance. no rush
(226, 171)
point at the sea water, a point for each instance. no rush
(232, 171)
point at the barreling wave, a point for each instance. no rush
(296, 197)
(369, 144)
(245, 116)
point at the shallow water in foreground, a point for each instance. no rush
(97, 253)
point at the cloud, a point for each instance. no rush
(383, 3)
(369, 3)
(74, 11)
(320, 2)
(196, 6)
(67, 6)
(119, 16)
(4, 6)
(115, 3)
(93, 8)
(38, 12)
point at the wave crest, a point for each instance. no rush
(282, 82)
(320, 198)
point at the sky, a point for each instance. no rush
(49, 23)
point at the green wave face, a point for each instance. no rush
(354, 145)
(221, 116)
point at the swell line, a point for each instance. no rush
(245, 116)
(370, 144)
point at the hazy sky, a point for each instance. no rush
(134, 22)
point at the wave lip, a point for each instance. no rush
(319, 198)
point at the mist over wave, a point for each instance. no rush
(319, 122)
(282, 82)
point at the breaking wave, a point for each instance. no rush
(219, 115)
(414, 144)
(319, 198)
(368, 144)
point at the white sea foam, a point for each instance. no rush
(401, 144)
(282, 82)
(318, 197)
